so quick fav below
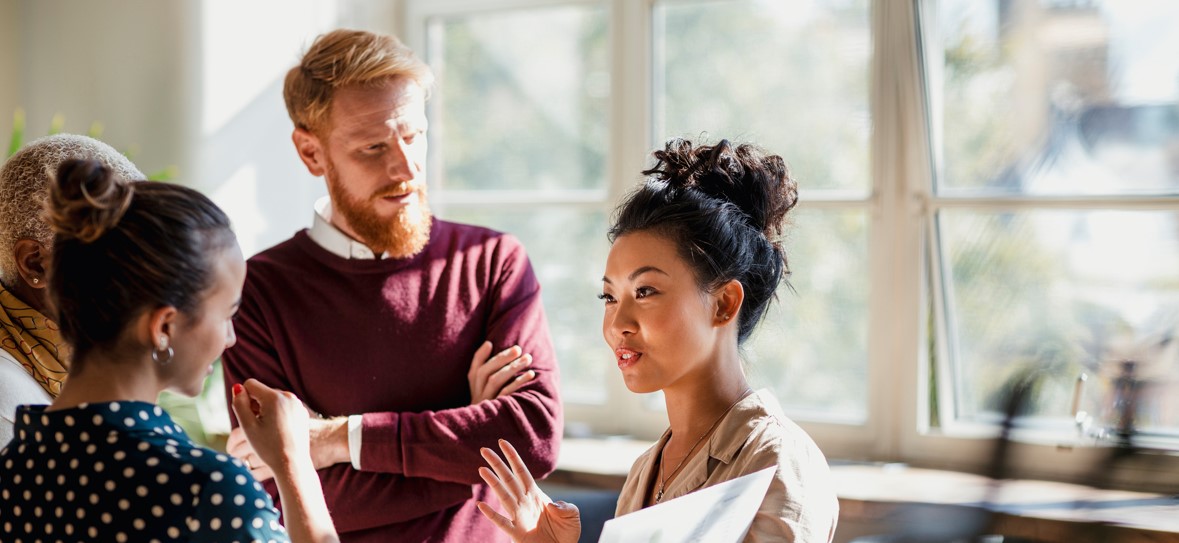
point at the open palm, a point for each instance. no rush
(531, 516)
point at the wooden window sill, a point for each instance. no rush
(890, 494)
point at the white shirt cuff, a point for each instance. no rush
(355, 422)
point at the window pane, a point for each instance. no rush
(1062, 97)
(812, 348)
(509, 114)
(568, 249)
(1063, 292)
(790, 76)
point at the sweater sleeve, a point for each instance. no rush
(444, 445)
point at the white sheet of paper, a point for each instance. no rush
(717, 514)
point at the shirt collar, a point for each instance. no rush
(128, 416)
(735, 428)
(326, 235)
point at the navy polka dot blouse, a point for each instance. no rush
(123, 471)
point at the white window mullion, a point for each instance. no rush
(901, 173)
(631, 143)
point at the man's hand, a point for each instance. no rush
(499, 375)
(327, 439)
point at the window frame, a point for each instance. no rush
(905, 288)
(968, 446)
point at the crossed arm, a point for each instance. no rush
(489, 377)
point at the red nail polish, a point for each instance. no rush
(237, 389)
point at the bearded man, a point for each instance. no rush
(383, 318)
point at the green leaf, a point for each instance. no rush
(56, 124)
(166, 174)
(18, 132)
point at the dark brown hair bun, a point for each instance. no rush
(724, 208)
(756, 182)
(86, 200)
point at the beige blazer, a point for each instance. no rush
(800, 505)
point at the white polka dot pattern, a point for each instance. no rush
(123, 471)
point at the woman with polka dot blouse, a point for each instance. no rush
(145, 280)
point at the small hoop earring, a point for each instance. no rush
(155, 356)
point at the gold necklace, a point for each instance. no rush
(663, 480)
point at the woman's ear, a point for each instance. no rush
(31, 257)
(729, 298)
(159, 327)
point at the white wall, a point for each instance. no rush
(190, 83)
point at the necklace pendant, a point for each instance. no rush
(659, 496)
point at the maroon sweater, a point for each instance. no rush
(393, 339)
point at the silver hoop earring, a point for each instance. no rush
(155, 356)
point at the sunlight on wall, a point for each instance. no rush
(245, 159)
(238, 196)
(247, 46)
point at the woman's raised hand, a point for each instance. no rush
(275, 423)
(530, 515)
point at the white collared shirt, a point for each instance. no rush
(327, 235)
(335, 241)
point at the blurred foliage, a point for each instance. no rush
(518, 116)
(18, 132)
(797, 85)
(812, 347)
(57, 124)
(1021, 287)
(1017, 303)
(978, 116)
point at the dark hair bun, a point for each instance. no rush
(756, 182)
(86, 200)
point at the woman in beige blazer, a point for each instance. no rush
(694, 264)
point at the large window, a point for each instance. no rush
(1057, 228)
(518, 137)
(989, 190)
(793, 79)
